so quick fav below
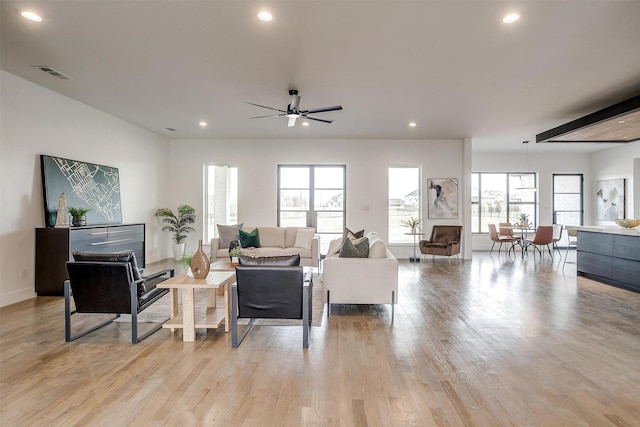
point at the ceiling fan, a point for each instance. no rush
(293, 112)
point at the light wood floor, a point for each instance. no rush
(489, 342)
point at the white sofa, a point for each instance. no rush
(372, 280)
(277, 241)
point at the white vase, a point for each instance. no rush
(178, 251)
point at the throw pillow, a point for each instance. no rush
(348, 234)
(273, 237)
(355, 249)
(284, 260)
(249, 239)
(304, 236)
(377, 248)
(228, 233)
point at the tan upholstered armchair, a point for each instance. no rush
(445, 240)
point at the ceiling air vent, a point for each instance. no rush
(52, 72)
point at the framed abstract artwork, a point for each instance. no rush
(610, 199)
(443, 198)
(85, 185)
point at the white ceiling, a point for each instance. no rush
(451, 66)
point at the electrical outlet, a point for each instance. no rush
(23, 273)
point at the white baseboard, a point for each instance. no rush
(16, 296)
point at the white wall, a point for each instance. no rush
(616, 163)
(545, 165)
(35, 121)
(366, 160)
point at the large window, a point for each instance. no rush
(404, 201)
(313, 196)
(221, 204)
(567, 201)
(502, 197)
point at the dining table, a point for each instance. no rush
(524, 233)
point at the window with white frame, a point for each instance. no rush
(404, 201)
(221, 197)
(313, 196)
(502, 197)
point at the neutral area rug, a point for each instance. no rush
(159, 311)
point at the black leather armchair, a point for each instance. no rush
(270, 292)
(110, 286)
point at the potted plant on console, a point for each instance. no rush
(78, 216)
(179, 225)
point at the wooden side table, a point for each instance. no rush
(215, 314)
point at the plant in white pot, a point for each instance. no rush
(411, 223)
(179, 224)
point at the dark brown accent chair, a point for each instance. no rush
(445, 241)
(108, 284)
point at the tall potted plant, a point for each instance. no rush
(179, 225)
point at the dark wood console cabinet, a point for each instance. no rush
(54, 247)
(610, 258)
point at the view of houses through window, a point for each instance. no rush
(568, 206)
(502, 197)
(313, 196)
(221, 193)
(404, 201)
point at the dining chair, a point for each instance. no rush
(493, 234)
(505, 229)
(543, 237)
(557, 235)
(572, 234)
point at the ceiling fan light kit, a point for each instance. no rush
(293, 111)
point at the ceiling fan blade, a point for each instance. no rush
(292, 121)
(264, 106)
(322, 110)
(318, 119)
(269, 115)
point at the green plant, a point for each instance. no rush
(235, 252)
(78, 212)
(186, 260)
(179, 224)
(524, 217)
(411, 222)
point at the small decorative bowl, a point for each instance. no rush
(627, 223)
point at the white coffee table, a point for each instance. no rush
(218, 308)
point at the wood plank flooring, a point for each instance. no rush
(494, 341)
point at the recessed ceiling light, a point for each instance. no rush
(621, 121)
(265, 16)
(203, 124)
(305, 123)
(412, 124)
(31, 16)
(510, 18)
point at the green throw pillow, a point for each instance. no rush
(249, 239)
(355, 249)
